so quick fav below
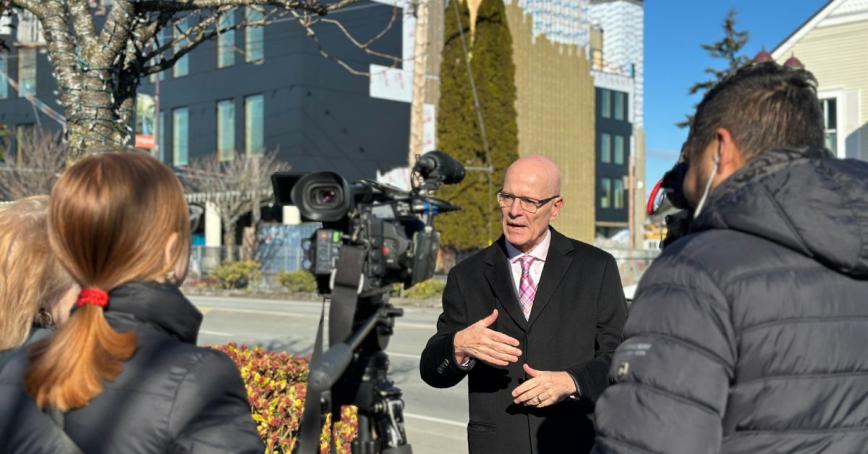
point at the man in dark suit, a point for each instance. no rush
(533, 321)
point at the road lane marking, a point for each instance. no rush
(447, 422)
(404, 355)
(216, 333)
(400, 323)
(255, 312)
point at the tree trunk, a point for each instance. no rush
(255, 210)
(95, 123)
(229, 239)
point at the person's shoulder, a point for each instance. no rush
(473, 261)
(13, 362)
(581, 249)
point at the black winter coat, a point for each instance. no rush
(749, 335)
(170, 397)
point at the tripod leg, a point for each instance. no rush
(364, 442)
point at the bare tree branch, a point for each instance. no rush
(84, 27)
(98, 73)
(311, 6)
(61, 46)
(115, 34)
(35, 167)
(234, 187)
(193, 38)
(366, 45)
(29, 5)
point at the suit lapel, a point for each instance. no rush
(498, 275)
(557, 263)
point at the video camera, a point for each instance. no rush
(667, 197)
(373, 235)
(395, 226)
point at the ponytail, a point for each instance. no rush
(109, 217)
(67, 370)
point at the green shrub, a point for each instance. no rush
(237, 274)
(297, 281)
(432, 288)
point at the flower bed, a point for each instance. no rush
(276, 386)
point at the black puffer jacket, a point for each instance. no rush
(170, 397)
(750, 334)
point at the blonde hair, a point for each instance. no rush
(110, 220)
(30, 276)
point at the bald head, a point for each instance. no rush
(529, 201)
(542, 172)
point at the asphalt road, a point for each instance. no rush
(436, 419)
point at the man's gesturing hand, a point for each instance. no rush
(480, 342)
(544, 388)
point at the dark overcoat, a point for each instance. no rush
(575, 325)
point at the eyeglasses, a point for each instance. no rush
(505, 200)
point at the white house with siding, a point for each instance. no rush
(833, 45)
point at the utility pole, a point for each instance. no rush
(631, 194)
(157, 125)
(420, 80)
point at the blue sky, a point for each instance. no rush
(674, 60)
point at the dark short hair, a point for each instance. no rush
(764, 106)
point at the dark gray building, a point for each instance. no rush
(614, 133)
(256, 89)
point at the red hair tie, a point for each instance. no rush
(93, 296)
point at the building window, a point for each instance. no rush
(161, 137)
(180, 136)
(620, 105)
(605, 104)
(830, 124)
(254, 46)
(163, 38)
(27, 72)
(4, 70)
(226, 41)
(253, 125)
(619, 193)
(619, 149)
(182, 66)
(605, 192)
(605, 148)
(226, 130)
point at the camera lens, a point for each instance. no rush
(325, 196)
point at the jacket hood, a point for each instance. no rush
(804, 200)
(162, 305)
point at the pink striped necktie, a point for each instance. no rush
(526, 288)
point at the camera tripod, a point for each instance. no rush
(356, 372)
(381, 408)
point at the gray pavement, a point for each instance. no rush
(436, 419)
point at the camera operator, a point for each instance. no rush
(748, 334)
(533, 320)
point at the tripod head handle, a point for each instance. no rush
(329, 367)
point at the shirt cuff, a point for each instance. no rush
(578, 394)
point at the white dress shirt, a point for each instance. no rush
(540, 252)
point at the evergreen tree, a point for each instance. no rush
(477, 225)
(727, 49)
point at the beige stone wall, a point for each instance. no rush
(555, 104)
